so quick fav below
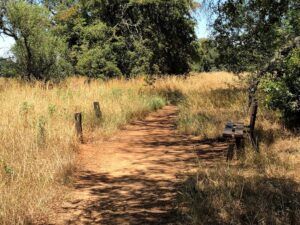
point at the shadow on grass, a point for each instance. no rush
(225, 97)
(229, 198)
(173, 96)
(269, 136)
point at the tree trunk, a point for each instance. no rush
(29, 69)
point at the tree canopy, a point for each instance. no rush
(101, 38)
(249, 32)
(262, 37)
(38, 52)
(207, 56)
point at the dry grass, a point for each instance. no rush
(37, 146)
(37, 141)
(257, 189)
(204, 100)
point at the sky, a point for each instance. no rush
(201, 31)
(202, 27)
(5, 45)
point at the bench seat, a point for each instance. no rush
(234, 130)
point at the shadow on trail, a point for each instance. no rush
(143, 196)
(130, 199)
(144, 190)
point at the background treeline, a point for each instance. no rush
(99, 38)
(112, 38)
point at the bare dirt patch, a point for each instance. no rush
(132, 178)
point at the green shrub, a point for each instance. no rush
(282, 92)
(157, 103)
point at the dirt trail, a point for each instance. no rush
(132, 178)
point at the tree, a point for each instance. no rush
(252, 36)
(249, 32)
(105, 38)
(109, 38)
(281, 84)
(208, 55)
(38, 52)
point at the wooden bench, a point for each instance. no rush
(235, 132)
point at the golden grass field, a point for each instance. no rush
(37, 140)
(38, 145)
(260, 188)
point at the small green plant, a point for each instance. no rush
(8, 170)
(157, 103)
(51, 109)
(41, 131)
(25, 108)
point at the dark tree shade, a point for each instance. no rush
(129, 37)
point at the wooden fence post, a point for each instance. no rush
(97, 110)
(78, 126)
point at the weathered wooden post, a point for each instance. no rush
(97, 110)
(253, 114)
(78, 126)
(230, 152)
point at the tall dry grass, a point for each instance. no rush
(204, 100)
(38, 145)
(259, 188)
(37, 141)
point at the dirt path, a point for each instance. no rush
(132, 178)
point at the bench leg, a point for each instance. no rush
(254, 141)
(240, 147)
(230, 151)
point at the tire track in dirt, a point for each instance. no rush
(133, 177)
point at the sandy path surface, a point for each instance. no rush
(133, 177)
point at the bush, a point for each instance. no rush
(282, 92)
(7, 68)
(157, 103)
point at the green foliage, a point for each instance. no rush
(157, 103)
(25, 108)
(8, 170)
(38, 52)
(110, 38)
(95, 63)
(41, 131)
(208, 55)
(100, 38)
(52, 109)
(7, 68)
(253, 36)
(249, 32)
(283, 92)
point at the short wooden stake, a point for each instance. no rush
(78, 126)
(230, 151)
(97, 110)
(240, 147)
